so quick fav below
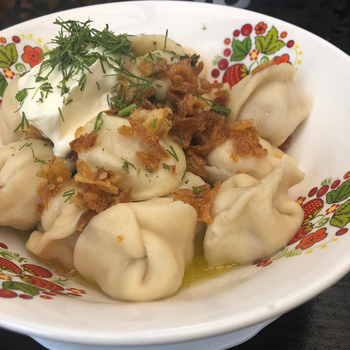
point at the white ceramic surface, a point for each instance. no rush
(243, 297)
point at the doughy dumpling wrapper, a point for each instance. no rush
(8, 119)
(18, 182)
(221, 166)
(144, 43)
(253, 219)
(138, 251)
(57, 241)
(273, 100)
(111, 147)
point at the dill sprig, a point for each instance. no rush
(73, 55)
(20, 96)
(69, 194)
(98, 122)
(24, 123)
(128, 163)
(37, 160)
(221, 110)
(196, 190)
(173, 153)
(126, 111)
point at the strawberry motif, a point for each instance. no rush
(304, 230)
(235, 74)
(38, 282)
(311, 209)
(9, 266)
(37, 270)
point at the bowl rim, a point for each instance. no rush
(198, 331)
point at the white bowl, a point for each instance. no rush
(243, 297)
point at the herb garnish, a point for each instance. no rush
(24, 122)
(173, 153)
(181, 137)
(46, 87)
(69, 194)
(98, 123)
(61, 115)
(183, 175)
(196, 190)
(37, 160)
(166, 166)
(166, 38)
(72, 56)
(26, 144)
(221, 110)
(126, 111)
(98, 85)
(127, 162)
(154, 122)
(20, 96)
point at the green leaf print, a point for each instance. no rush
(8, 55)
(270, 43)
(338, 195)
(3, 85)
(341, 216)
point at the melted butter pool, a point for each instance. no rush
(199, 271)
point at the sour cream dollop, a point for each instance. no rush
(57, 118)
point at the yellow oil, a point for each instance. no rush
(199, 271)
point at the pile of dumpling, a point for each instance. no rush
(138, 251)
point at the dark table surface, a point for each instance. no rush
(323, 323)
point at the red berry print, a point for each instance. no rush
(246, 29)
(342, 231)
(215, 73)
(335, 184)
(5, 293)
(290, 43)
(236, 33)
(322, 191)
(234, 74)
(312, 208)
(313, 192)
(227, 52)
(9, 266)
(346, 175)
(49, 293)
(16, 39)
(227, 41)
(215, 81)
(25, 296)
(3, 40)
(3, 246)
(37, 270)
(223, 64)
(38, 282)
(283, 34)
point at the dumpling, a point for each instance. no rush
(138, 251)
(59, 221)
(253, 219)
(9, 120)
(273, 100)
(116, 152)
(221, 166)
(160, 80)
(19, 164)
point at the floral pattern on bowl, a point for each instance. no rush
(251, 46)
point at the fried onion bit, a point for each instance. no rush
(202, 199)
(101, 190)
(54, 173)
(84, 142)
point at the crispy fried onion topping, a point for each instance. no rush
(156, 121)
(84, 141)
(201, 199)
(55, 174)
(246, 139)
(148, 68)
(101, 190)
(149, 159)
(33, 133)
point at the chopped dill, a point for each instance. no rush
(99, 122)
(196, 190)
(173, 153)
(221, 110)
(69, 194)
